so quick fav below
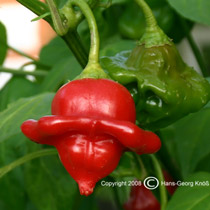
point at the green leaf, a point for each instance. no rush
(189, 137)
(55, 51)
(193, 197)
(196, 10)
(41, 17)
(48, 185)
(65, 69)
(21, 110)
(12, 189)
(64, 65)
(11, 93)
(202, 166)
(12, 195)
(3, 43)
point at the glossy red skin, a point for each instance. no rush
(93, 158)
(93, 122)
(95, 98)
(141, 199)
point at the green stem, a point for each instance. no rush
(93, 68)
(194, 48)
(150, 19)
(4, 170)
(121, 174)
(71, 38)
(40, 65)
(159, 174)
(72, 17)
(21, 72)
(27, 56)
(73, 41)
(94, 36)
(141, 166)
(59, 24)
(116, 194)
(153, 35)
(21, 53)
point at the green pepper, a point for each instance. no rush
(164, 88)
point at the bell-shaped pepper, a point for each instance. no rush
(165, 88)
(92, 124)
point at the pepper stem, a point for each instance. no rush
(93, 68)
(154, 36)
(150, 19)
(94, 36)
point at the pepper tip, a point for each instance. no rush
(86, 188)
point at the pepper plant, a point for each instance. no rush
(128, 117)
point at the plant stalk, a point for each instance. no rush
(94, 36)
(194, 48)
(4, 170)
(159, 174)
(21, 72)
(71, 38)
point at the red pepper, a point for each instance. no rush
(141, 198)
(92, 124)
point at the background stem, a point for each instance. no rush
(34, 60)
(194, 48)
(116, 194)
(21, 53)
(72, 39)
(74, 42)
(20, 72)
(159, 174)
(142, 170)
(4, 170)
(56, 18)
